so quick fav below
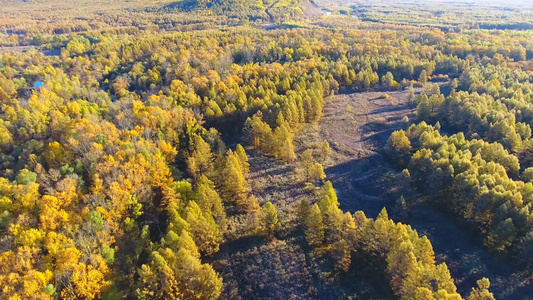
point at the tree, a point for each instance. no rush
(87, 281)
(436, 101)
(424, 251)
(411, 95)
(312, 170)
(399, 147)
(157, 280)
(198, 281)
(303, 212)
(259, 134)
(325, 150)
(502, 235)
(316, 172)
(209, 200)
(203, 228)
(177, 275)
(423, 79)
(314, 227)
(403, 268)
(269, 220)
(283, 147)
(423, 108)
(345, 243)
(454, 85)
(243, 159)
(5, 136)
(200, 160)
(482, 291)
(235, 184)
(328, 197)
(388, 80)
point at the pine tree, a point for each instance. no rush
(186, 242)
(423, 79)
(243, 159)
(325, 151)
(259, 134)
(399, 147)
(411, 95)
(423, 293)
(203, 228)
(316, 172)
(200, 160)
(345, 243)
(283, 147)
(199, 280)
(455, 84)
(314, 227)
(306, 159)
(251, 205)
(328, 196)
(423, 108)
(209, 200)
(303, 211)
(269, 220)
(482, 291)
(388, 80)
(157, 280)
(178, 275)
(424, 251)
(403, 269)
(316, 109)
(235, 184)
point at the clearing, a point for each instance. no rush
(357, 127)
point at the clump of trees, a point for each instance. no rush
(410, 259)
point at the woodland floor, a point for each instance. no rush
(357, 127)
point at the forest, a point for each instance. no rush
(289, 149)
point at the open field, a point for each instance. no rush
(365, 180)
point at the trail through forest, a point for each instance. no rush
(357, 127)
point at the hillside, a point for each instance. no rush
(270, 10)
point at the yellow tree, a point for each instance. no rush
(203, 228)
(314, 227)
(200, 160)
(269, 220)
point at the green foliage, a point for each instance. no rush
(25, 176)
(482, 291)
(399, 147)
(314, 227)
(269, 220)
(205, 232)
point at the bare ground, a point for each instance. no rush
(311, 10)
(357, 127)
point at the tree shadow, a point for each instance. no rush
(364, 184)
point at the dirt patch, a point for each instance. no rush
(357, 127)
